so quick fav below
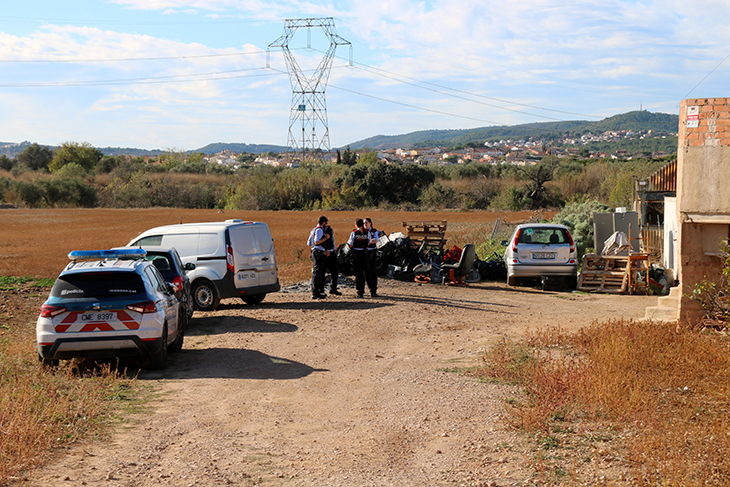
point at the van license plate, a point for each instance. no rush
(543, 255)
(245, 276)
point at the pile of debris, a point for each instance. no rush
(403, 258)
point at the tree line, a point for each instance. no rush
(78, 175)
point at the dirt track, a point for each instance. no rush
(338, 392)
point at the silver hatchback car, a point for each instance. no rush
(541, 250)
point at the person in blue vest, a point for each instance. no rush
(317, 237)
(372, 254)
(358, 242)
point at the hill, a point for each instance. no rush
(635, 121)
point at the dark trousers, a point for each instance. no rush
(331, 266)
(373, 259)
(363, 274)
(318, 270)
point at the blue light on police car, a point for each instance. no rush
(107, 254)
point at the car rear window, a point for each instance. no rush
(544, 235)
(98, 285)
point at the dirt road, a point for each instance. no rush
(337, 392)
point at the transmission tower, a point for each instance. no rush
(308, 106)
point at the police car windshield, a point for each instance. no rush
(98, 285)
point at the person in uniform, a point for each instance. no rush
(317, 237)
(373, 255)
(358, 243)
(331, 259)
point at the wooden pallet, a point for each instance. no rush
(604, 274)
(431, 233)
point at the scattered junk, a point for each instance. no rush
(619, 269)
(419, 256)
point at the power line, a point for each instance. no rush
(708, 75)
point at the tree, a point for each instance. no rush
(82, 154)
(35, 157)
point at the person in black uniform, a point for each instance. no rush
(358, 243)
(373, 255)
(317, 237)
(331, 259)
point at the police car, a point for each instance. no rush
(109, 303)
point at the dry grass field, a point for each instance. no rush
(36, 242)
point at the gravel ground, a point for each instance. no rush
(336, 392)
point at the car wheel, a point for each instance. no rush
(204, 296)
(571, 282)
(158, 360)
(189, 309)
(511, 281)
(178, 343)
(48, 362)
(255, 299)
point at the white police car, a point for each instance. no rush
(109, 303)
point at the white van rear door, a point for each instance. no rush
(253, 255)
(246, 258)
(265, 246)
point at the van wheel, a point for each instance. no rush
(511, 281)
(255, 299)
(158, 360)
(204, 296)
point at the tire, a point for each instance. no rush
(205, 297)
(48, 362)
(473, 276)
(571, 283)
(511, 281)
(253, 300)
(158, 361)
(180, 338)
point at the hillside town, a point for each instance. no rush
(516, 152)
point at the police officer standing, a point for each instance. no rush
(373, 255)
(331, 259)
(317, 237)
(358, 242)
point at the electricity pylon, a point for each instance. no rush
(308, 106)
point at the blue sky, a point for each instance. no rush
(179, 74)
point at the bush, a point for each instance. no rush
(578, 217)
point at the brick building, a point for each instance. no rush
(703, 194)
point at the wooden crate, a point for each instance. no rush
(604, 274)
(431, 233)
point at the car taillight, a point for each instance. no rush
(50, 311)
(514, 243)
(143, 307)
(229, 258)
(177, 284)
(572, 244)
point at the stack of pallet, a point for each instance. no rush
(604, 273)
(431, 233)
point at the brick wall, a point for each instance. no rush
(703, 194)
(714, 123)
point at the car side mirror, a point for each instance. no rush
(189, 266)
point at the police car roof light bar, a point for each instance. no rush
(131, 253)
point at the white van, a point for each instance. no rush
(234, 258)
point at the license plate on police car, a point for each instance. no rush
(543, 255)
(97, 316)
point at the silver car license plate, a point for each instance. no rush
(543, 255)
